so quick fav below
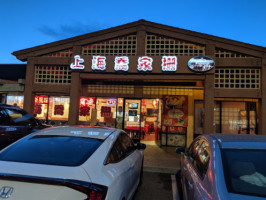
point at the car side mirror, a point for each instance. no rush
(180, 150)
(141, 146)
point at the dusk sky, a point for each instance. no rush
(29, 23)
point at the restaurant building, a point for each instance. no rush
(155, 81)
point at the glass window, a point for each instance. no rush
(20, 118)
(86, 106)
(245, 171)
(199, 155)
(58, 108)
(199, 117)
(15, 100)
(106, 111)
(41, 107)
(4, 118)
(51, 150)
(122, 148)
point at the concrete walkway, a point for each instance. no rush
(160, 159)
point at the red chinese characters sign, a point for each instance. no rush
(99, 63)
(87, 101)
(41, 99)
(77, 64)
(169, 63)
(175, 110)
(145, 63)
(121, 63)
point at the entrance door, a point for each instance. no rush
(132, 123)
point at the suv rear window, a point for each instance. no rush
(245, 171)
(51, 150)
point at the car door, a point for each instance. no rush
(18, 124)
(5, 129)
(197, 164)
(134, 158)
(188, 170)
(117, 159)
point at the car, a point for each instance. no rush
(72, 162)
(224, 166)
(16, 123)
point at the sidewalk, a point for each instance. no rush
(160, 159)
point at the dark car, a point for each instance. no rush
(224, 166)
(16, 123)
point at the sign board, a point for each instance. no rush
(201, 64)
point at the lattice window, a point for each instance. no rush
(64, 53)
(160, 91)
(52, 74)
(222, 53)
(119, 46)
(111, 89)
(236, 78)
(159, 45)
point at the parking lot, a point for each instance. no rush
(155, 186)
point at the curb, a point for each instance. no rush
(174, 188)
(165, 170)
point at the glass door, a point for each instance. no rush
(132, 122)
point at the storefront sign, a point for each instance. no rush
(121, 63)
(111, 102)
(169, 63)
(41, 99)
(145, 63)
(175, 111)
(98, 63)
(77, 64)
(201, 64)
(87, 101)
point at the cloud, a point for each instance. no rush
(69, 30)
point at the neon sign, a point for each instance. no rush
(111, 102)
(41, 99)
(77, 63)
(145, 63)
(169, 63)
(87, 101)
(121, 63)
(99, 63)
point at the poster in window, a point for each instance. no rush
(175, 110)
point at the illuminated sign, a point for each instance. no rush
(201, 64)
(145, 63)
(169, 63)
(99, 63)
(121, 63)
(41, 99)
(87, 101)
(77, 64)
(111, 102)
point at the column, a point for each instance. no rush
(28, 92)
(75, 91)
(262, 101)
(209, 94)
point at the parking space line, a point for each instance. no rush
(174, 188)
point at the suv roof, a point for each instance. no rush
(80, 131)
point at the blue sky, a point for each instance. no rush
(29, 23)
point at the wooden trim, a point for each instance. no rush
(238, 62)
(29, 82)
(51, 88)
(237, 93)
(262, 102)
(208, 104)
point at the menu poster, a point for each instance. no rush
(175, 110)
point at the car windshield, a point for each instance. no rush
(245, 171)
(51, 150)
